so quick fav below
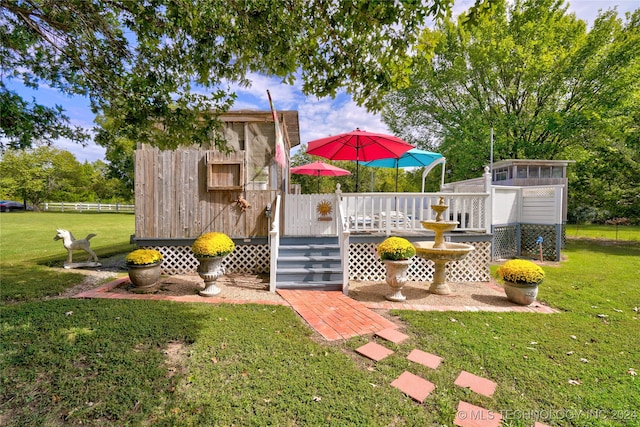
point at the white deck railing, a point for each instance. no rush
(389, 212)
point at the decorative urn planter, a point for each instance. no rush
(521, 279)
(396, 277)
(209, 270)
(210, 249)
(145, 267)
(395, 253)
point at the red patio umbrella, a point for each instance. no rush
(359, 146)
(319, 169)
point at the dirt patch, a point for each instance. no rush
(175, 356)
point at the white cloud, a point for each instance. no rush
(90, 153)
(319, 117)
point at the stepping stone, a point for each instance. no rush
(374, 351)
(427, 359)
(392, 335)
(469, 415)
(414, 386)
(477, 384)
(537, 424)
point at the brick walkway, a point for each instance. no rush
(334, 315)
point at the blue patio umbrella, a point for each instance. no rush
(412, 158)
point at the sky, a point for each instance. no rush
(319, 117)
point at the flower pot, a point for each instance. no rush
(209, 269)
(396, 277)
(521, 293)
(144, 277)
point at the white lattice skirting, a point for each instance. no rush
(363, 262)
(365, 265)
(244, 259)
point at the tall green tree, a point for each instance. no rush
(41, 174)
(161, 68)
(535, 74)
(532, 72)
(46, 174)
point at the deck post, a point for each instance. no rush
(274, 245)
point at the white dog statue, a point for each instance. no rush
(70, 243)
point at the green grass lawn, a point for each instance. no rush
(116, 362)
(26, 239)
(602, 231)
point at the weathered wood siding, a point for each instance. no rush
(172, 200)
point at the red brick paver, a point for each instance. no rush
(413, 386)
(392, 335)
(333, 314)
(427, 359)
(469, 415)
(477, 384)
(374, 351)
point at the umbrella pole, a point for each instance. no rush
(397, 175)
(318, 182)
(357, 165)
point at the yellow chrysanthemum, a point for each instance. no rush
(521, 271)
(213, 244)
(143, 257)
(396, 248)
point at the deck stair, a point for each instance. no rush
(309, 263)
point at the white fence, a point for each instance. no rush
(528, 205)
(391, 212)
(382, 212)
(88, 207)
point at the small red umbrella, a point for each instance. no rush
(359, 146)
(319, 169)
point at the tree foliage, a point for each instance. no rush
(160, 69)
(550, 89)
(46, 174)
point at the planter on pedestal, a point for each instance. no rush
(395, 253)
(396, 277)
(209, 270)
(210, 249)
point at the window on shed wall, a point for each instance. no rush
(233, 133)
(259, 154)
(522, 171)
(501, 174)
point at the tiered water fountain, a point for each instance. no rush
(439, 251)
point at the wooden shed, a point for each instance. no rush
(182, 193)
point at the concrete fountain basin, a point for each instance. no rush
(450, 251)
